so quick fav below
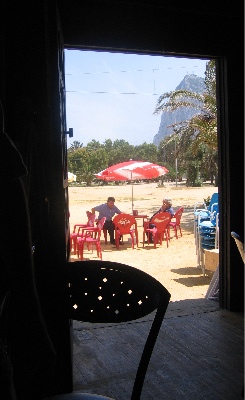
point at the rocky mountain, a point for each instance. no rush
(192, 83)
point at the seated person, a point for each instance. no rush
(166, 207)
(108, 210)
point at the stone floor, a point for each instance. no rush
(198, 355)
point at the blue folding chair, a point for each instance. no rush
(202, 214)
(204, 211)
(208, 234)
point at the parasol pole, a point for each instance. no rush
(132, 193)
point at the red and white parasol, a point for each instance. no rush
(132, 171)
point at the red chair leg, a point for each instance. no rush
(73, 241)
(75, 244)
(80, 248)
(90, 247)
(137, 239)
(154, 239)
(105, 235)
(99, 251)
(132, 240)
(117, 239)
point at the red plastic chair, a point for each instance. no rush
(161, 221)
(92, 230)
(91, 236)
(125, 224)
(74, 235)
(176, 223)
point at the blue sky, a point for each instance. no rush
(113, 95)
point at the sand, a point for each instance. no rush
(175, 266)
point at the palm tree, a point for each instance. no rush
(75, 146)
(198, 135)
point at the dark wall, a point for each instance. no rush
(190, 28)
(31, 109)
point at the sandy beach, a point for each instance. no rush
(174, 266)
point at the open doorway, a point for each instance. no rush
(111, 100)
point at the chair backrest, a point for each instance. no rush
(161, 220)
(178, 214)
(214, 213)
(239, 243)
(124, 222)
(110, 292)
(97, 229)
(100, 226)
(214, 199)
(90, 222)
(101, 223)
(201, 206)
(91, 219)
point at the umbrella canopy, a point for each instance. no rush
(132, 171)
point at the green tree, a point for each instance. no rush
(108, 145)
(146, 152)
(85, 162)
(74, 146)
(93, 145)
(121, 151)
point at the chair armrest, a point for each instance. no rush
(200, 203)
(88, 229)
